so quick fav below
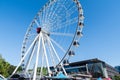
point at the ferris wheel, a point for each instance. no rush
(52, 37)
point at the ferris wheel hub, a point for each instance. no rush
(38, 30)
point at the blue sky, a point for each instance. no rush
(101, 32)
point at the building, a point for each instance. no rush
(117, 68)
(95, 67)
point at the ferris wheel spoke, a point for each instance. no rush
(53, 48)
(62, 34)
(45, 15)
(47, 11)
(51, 54)
(62, 9)
(71, 11)
(33, 34)
(56, 16)
(55, 10)
(50, 10)
(42, 13)
(39, 18)
(56, 19)
(58, 45)
(52, 21)
(66, 24)
(37, 23)
(56, 54)
(73, 20)
(53, 15)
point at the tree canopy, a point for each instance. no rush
(5, 68)
(117, 77)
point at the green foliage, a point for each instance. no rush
(117, 77)
(5, 68)
(44, 70)
(11, 69)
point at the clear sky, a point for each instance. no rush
(101, 32)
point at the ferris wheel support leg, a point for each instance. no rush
(24, 56)
(57, 56)
(37, 58)
(30, 58)
(48, 67)
(52, 56)
(42, 66)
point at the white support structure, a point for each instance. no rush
(105, 72)
(30, 59)
(25, 55)
(87, 68)
(57, 21)
(52, 55)
(57, 56)
(57, 45)
(44, 50)
(37, 58)
(43, 55)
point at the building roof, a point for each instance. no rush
(95, 60)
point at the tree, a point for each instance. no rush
(11, 69)
(0, 56)
(117, 77)
(44, 71)
(2, 66)
(5, 68)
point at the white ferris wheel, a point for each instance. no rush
(52, 37)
